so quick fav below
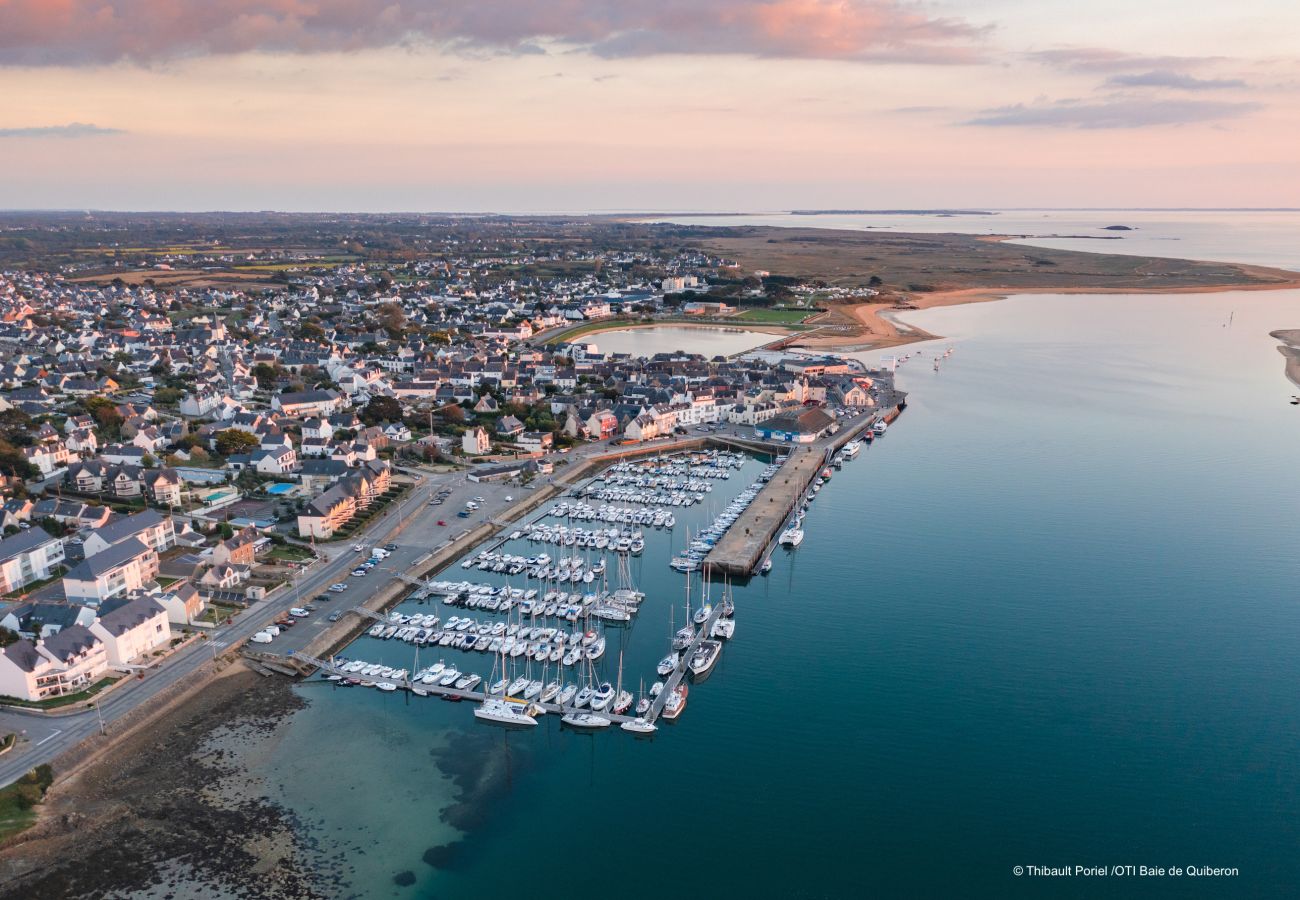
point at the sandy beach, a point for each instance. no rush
(1289, 348)
(872, 325)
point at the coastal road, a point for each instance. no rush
(48, 736)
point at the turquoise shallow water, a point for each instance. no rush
(1051, 619)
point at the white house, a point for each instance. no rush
(64, 663)
(28, 556)
(199, 404)
(151, 527)
(123, 567)
(132, 628)
(475, 441)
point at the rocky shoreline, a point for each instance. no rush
(162, 811)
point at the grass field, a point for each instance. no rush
(64, 700)
(18, 801)
(775, 316)
(923, 263)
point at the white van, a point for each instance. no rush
(261, 637)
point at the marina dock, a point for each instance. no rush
(741, 549)
(746, 544)
(683, 664)
(328, 667)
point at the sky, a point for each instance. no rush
(654, 105)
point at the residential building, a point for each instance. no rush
(27, 557)
(126, 566)
(131, 627)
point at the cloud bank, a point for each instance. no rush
(1100, 59)
(1175, 80)
(1120, 112)
(90, 32)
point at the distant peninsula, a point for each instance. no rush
(892, 212)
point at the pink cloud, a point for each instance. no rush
(78, 32)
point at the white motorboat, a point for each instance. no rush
(517, 686)
(566, 694)
(586, 721)
(602, 696)
(468, 682)
(639, 726)
(668, 663)
(449, 677)
(704, 658)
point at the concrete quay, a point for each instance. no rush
(741, 549)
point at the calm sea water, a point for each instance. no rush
(1052, 618)
(1258, 237)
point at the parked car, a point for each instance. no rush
(390, 547)
(442, 523)
(338, 588)
(262, 637)
(509, 498)
(299, 613)
(464, 514)
(358, 572)
(335, 616)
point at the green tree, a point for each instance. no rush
(381, 409)
(232, 440)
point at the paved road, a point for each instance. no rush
(49, 736)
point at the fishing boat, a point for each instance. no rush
(676, 702)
